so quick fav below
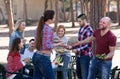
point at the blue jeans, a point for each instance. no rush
(65, 60)
(100, 67)
(42, 67)
(82, 66)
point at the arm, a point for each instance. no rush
(87, 40)
(111, 54)
(112, 44)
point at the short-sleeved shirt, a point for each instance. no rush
(103, 42)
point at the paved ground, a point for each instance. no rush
(4, 40)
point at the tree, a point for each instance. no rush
(63, 3)
(72, 13)
(25, 10)
(3, 17)
(118, 8)
(10, 15)
(56, 12)
(96, 13)
(51, 4)
(97, 8)
(46, 5)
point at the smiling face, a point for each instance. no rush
(32, 45)
(61, 31)
(104, 23)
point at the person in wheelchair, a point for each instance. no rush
(14, 64)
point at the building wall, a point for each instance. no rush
(35, 8)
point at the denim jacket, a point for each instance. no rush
(13, 35)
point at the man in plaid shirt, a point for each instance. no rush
(83, 52)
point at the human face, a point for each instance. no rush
(21, 44)
(61, 32)
(32, 45)
(22, 26)
(103, 24)
(51, 20)
(81, 22)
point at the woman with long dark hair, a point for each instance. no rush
(44, 44)
(14, 63)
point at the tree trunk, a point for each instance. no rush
(64, 10)
(46, 5)
(51, 4)
(86, 5)
(108, 7)
(10, 16)
(82, 6)
(25, 11)
(76, 1)
(96, 12)
(118, 7)
(3, 17)
(56, 12)
(72, 13)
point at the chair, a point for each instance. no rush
(113, 72)
(72, 66)
(61, 69)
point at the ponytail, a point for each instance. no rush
(39, 33)
(48, 14)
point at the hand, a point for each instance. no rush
(69, 47)
(74, 50)
(26, 60)
(24, 41)
(75, 44)
(62, 45)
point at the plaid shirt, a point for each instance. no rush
(47, 42)
(84, 49)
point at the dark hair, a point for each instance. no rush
(48, 14)
(82, 16)
(31, 40)
(15, 45)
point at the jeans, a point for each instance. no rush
(65, 60)
(100, 67)
(82, 66)
(42, 67)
